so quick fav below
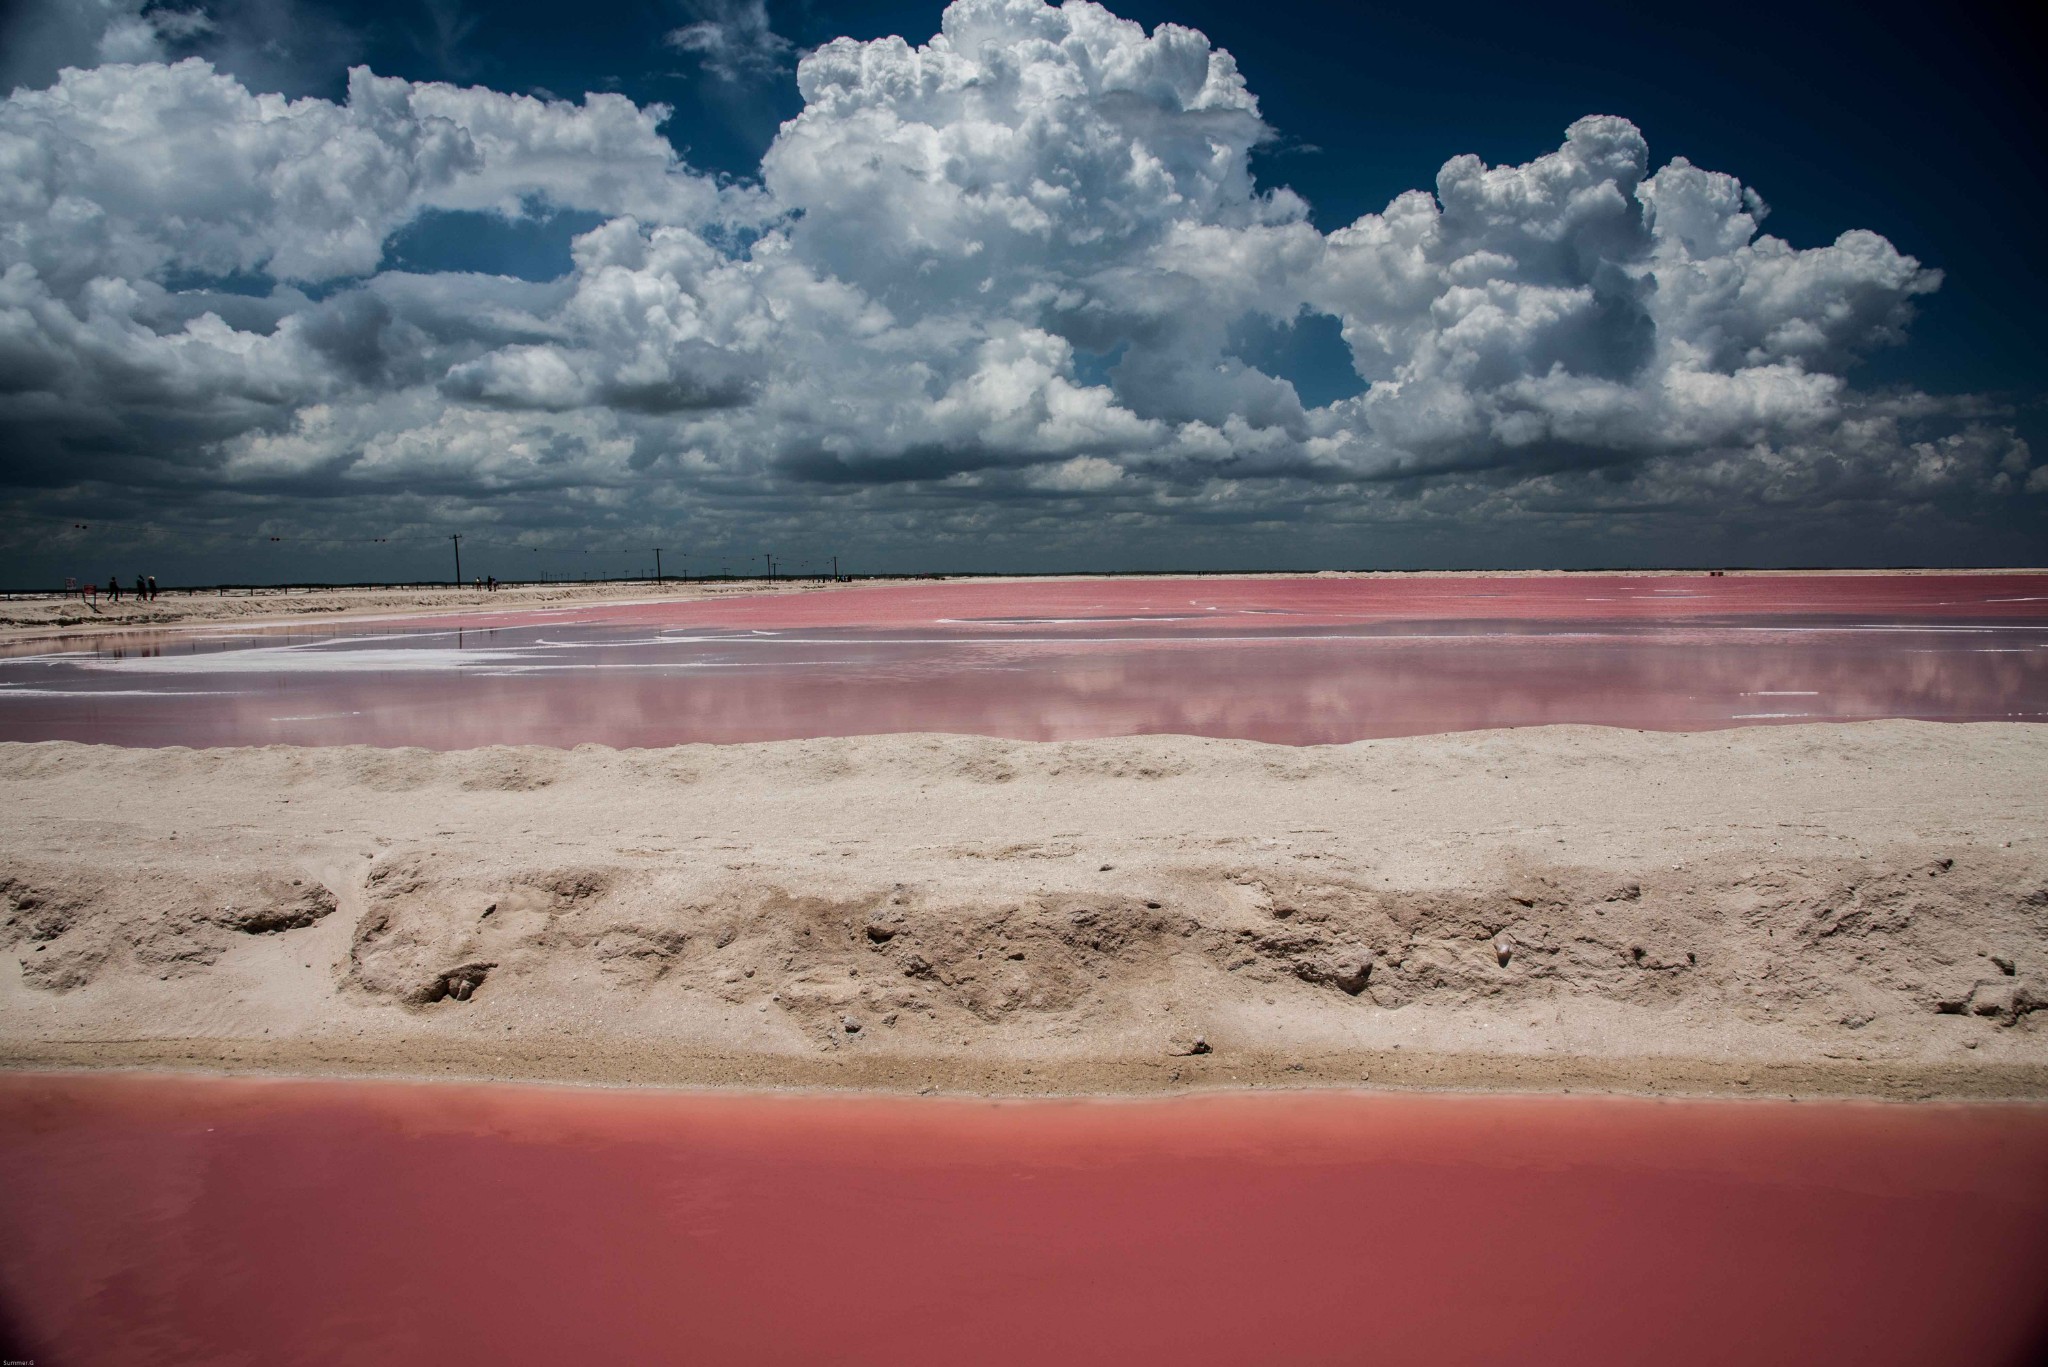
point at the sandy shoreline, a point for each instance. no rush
(1804, 910)
(32, 618)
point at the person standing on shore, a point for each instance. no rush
(152, 588)
(114, 587)
(141, 590)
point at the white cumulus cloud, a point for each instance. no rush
(1007, 268)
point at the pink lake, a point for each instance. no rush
(152, 1220)
(1292, 660)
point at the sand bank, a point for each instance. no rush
(32, 617)
(1800, 910)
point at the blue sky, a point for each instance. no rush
(939, 366)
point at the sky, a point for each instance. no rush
(294, 291)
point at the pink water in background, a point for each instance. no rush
(154, 1220)
(1297, 661)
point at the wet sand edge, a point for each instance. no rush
(624, 1063)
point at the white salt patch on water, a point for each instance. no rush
(297, 660)
(1064, 621)
(342, 642)
(662, 666)
(15, 691)
(1929, 628)
(1005, 642)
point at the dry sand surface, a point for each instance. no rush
(1803, 909)
(29, 616)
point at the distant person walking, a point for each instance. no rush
(114, 587)
(141, 590)
(152, 588)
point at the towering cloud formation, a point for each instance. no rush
(1007, 270)
(1576, 305)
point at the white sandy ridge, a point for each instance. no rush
(1799, 909)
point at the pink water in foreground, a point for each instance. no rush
(1297, 661)
(158, 1220)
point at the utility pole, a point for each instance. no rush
(769, 556)
(457, 539)
(835, 569)
(657, 564)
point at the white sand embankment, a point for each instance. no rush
(1805, 909)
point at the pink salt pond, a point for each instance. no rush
(1292, 660)
(154, 1220)
(149, 1220)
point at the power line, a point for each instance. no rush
(420, 540)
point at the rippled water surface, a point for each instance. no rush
(1299, 661)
